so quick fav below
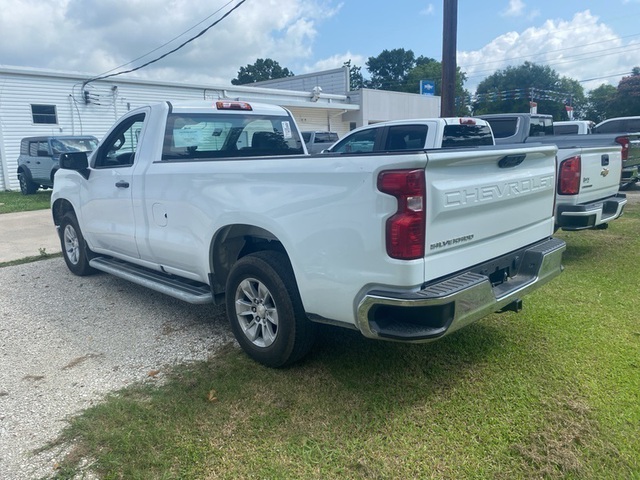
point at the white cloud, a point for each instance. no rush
(571, 48)
(515, 8)
(94, 36)
(428, 10)
(336, 61)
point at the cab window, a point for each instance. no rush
(406, 137)
(541, 127)
(358, 142)
(208, 136)
(503, 127)
(119, 149)
(456, 136)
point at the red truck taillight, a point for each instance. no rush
(570, 174)
(624, 142)
(405, 229)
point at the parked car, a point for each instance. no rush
(573, 127)
(318, 141)
(630, 126)
(618, 125)
(39, 158)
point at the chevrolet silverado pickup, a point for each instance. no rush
(589, 168)
(629, 128)
(219, 202)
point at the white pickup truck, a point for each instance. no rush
(218, 202)
(589, 168)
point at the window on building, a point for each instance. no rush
(44, 114)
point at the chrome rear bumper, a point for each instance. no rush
(445, 306)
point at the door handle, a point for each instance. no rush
(122, 184)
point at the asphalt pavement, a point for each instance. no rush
(27, 234)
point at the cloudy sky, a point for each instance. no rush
(592, 41)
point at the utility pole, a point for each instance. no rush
(449, 66)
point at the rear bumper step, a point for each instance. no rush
(590, 215)
(182, 289)
(443, 307)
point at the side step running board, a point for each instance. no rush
(182, 289)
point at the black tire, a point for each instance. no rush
(265, 310)
(74, 249)
(27, 187)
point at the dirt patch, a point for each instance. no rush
(555, 450)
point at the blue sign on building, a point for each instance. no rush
(427, 87)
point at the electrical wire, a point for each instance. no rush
(558, 50)
(169, 52)
(172, 40)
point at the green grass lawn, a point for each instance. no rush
(550, 392)
(16, 202)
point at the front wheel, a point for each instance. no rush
(74, 249)
(265, 310)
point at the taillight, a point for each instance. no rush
(570, 174)
(624, 142)
(405, 234)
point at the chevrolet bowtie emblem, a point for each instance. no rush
(604, 172)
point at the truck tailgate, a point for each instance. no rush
(488, 203)
(601, 168)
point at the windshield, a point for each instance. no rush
(67, 145)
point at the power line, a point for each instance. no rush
(605, 76)
(172, 40)
(169, 52)
(572, 58)
(558, 50)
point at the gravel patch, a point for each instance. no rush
(66, 341)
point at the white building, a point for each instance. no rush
(44, 102)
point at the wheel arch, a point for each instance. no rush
(60, 208)
(24, 170)
(233, 242)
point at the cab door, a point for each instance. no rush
(108, 211)
(39, 156)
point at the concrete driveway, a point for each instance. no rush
(27, 234)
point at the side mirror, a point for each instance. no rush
(43, 153)
(74, 161)
(77, 161)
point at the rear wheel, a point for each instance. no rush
(74, 249)
(27, 187)
(265, 310)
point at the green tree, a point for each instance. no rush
(627, 101)
(430, 69)
(262, 69)
(389, 70)
(511, 90)
(356, 79)
(600, 103)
